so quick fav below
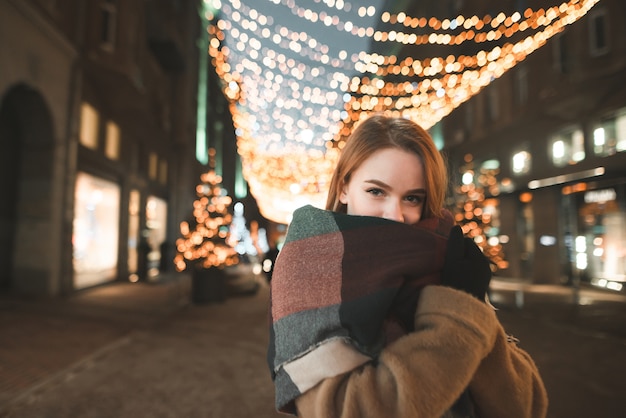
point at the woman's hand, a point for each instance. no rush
(465, 267)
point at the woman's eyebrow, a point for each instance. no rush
(378, 183)
(382, 184)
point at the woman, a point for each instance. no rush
(378, 302)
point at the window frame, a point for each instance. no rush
(595, 16)
(108, 29)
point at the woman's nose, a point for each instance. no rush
(393, 211)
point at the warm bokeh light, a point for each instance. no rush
(294, 98)
(206, 242)
(476, 209)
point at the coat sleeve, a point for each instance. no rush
(507, 383)
(422, 374)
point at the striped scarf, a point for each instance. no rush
(344, 287)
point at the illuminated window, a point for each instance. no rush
(468, 177)
(95, 233)
(521, 162)
(436, 133)
(108, 13)
(89, 120)
(620, 133)
(241, 187)
(134, 201)
(156, 223)
(578, 146)
(490, 165)
(598, 33)
(609, 136)
(153, 165)
(112, 144)
(567, 147)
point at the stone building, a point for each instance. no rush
(544, 138)
(551, 131)
(98, 109)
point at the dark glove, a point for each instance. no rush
(465, 267)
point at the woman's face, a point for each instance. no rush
(389, 184)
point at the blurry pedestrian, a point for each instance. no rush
(378, 302)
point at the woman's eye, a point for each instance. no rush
(375, 191)
(416, 199)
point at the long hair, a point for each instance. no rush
(381, 132)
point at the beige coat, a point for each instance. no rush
(458, 343)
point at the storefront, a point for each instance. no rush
(596, 239)
(96, 230)
(96, 234)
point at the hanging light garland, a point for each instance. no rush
(294, 98)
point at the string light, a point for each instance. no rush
(500, 25)
(294, 98)
(333, 21)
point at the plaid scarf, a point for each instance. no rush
(344, 287)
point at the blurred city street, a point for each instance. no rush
(139, 137)
(142, 350)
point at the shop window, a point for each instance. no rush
(156, 223)
(620, 132)
(601, 242)
(521, 162)
(95, 234)
(112, 142)
(134, 202)
(609, 136)
(598, 33)
(526, 231)
(89, 120)
(567, 148)
(108, 13)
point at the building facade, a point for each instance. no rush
(98, 109)
(552, 131)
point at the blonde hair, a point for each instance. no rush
(381, 132)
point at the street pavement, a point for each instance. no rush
(578, 341)
(143, 350)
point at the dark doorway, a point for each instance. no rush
(25, 123)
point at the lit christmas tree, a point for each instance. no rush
(205, 244)
(476, 210)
